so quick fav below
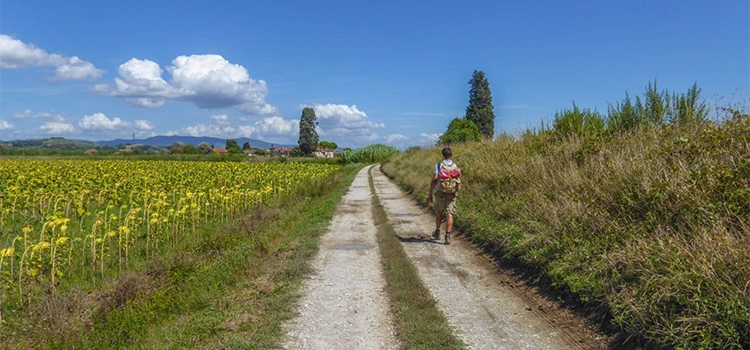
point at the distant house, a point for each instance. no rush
(325, 153)
(250, 152)
(217, 151)
(281, 152)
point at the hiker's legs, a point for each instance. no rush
(439, 209)
(450, 211)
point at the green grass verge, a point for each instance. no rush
(644, 232)
(419, 324)
(233, 288)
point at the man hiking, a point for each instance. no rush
(446, 181)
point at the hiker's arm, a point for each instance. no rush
(432, 185)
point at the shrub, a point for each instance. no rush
(569, 122)
(460, 130)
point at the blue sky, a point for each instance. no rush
(392, 72)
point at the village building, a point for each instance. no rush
(325, 153)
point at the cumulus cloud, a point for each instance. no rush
(143, 125)
(277, 126)
(145, 102)
(208, 81)
(345, 123)
(57, 128)
(393, 138)
(16, 54)
(4, 125)
(429, 138)
(29, 114)
(223, 126)
(100, 122)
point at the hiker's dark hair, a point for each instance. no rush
(447, 153)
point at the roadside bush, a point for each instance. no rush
(460, 130)
(569, 122)
(368, 154)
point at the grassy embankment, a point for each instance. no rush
(230, 286)
(648, 228)
(418, 322)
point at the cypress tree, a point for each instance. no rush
(308, 137)
(480, 107)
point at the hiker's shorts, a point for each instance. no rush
(445, 202)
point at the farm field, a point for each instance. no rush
(79, 222)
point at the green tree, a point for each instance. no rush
(176, 147)
(246, 146)
(205, 147)
(296, 152)
(329, 145)
(308, 137)
(480, 107)
(233, 146)
(460, 130)
(190, 149)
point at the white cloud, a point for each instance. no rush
(145, 102)
(99, 121)
(223, 126)
(16, 54)
(4, 125)
(57, 128)
(208, 81)
(392, 138)
(221, 119)
(143, 125)
(430, 139)
(341, 123)
(29, 114)
(96, 125)
(277, 126)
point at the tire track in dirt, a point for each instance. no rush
(482, 310)
(344, 305)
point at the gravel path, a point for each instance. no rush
(344, 305)
(484, 313)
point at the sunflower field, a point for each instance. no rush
(87, 218)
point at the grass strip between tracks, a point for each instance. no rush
(418, 322)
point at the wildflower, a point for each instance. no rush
(61, 240)
(7, 252)
(40, 246)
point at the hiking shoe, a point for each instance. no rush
(447, 238)
(436, 235)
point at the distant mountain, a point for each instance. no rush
(52, 143)
(166, 141)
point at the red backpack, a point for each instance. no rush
(449, 177)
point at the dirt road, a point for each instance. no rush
(344, 306)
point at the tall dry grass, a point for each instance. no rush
(652, 224)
